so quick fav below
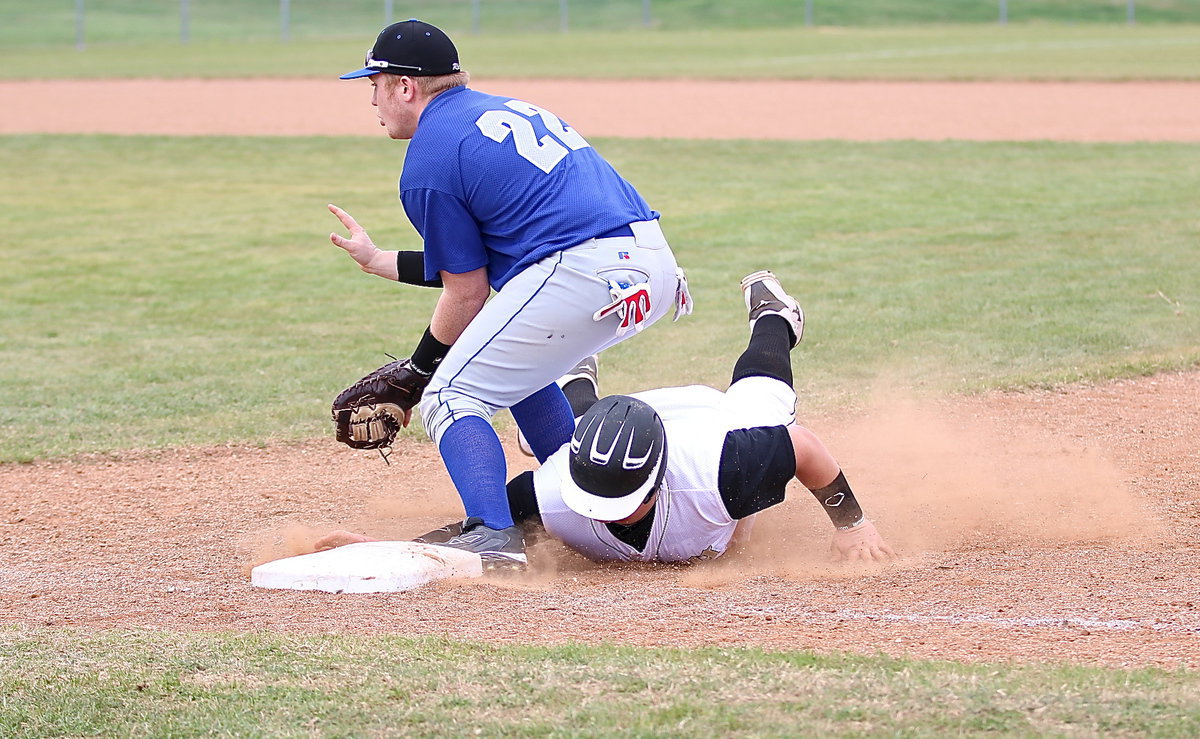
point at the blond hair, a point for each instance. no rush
(431, 86)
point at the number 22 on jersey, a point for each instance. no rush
(544, 153)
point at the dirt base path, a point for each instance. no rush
(861, 111)
(1036, 526)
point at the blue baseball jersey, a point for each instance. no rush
(496, 182)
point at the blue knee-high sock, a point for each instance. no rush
(546, 420)
(475, 460)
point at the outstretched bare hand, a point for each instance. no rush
(861, 544)
(359, 246)
(339, 538)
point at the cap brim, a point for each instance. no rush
(364, 72)
(600, 508)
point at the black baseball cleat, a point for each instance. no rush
(501, 550)
(766, 297)
(442, 535)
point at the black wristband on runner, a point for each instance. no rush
(838, 501)
(410, 269)
(429, 353)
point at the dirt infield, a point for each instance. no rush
(1038, 526)
(1059, 525)
(861, 111)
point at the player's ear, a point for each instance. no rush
(407, 87)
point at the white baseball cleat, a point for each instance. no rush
(587, 369)
(765, 297)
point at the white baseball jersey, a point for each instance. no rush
(690, 520)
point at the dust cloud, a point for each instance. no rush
(936, 477)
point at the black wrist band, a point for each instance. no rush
(410, 269)
(838, 501)
(429, 353)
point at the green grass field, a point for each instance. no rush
(143, 683)
(143, 21)
(934, 52)
(191, 278)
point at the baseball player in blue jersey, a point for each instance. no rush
(505, 196)
(678, 474)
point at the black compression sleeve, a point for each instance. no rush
(410, 265)
(838, 501)
(769, 353)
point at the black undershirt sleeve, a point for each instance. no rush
(756, 466)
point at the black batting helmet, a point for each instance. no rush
(618, 457)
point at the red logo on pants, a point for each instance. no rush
(630, 304)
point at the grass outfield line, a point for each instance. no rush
(138, 682)
(188, 284)
(1034, 52)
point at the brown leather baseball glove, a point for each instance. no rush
(369, 413)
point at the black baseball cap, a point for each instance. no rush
(410, 47)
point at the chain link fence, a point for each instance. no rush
(81, 22)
